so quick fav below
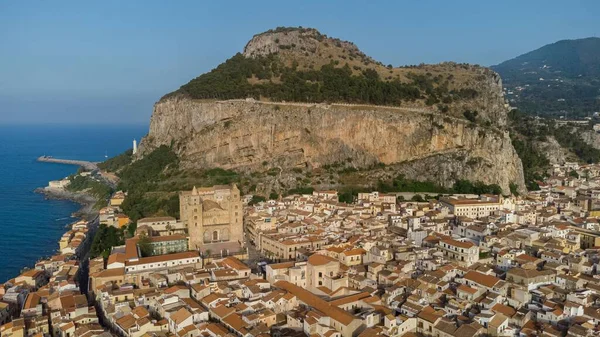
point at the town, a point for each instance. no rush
(309, 265)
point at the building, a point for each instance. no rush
(286, 246)
(588, 238)
(472, 208)
(160, 226)
(322, 271)
(117, 198)
(59, 184)
(162, 245)
(213, 217)
(464, 252)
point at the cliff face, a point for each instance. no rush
(427, 138)
(243, 135)
(591, 137)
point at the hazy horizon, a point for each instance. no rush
(109, 62)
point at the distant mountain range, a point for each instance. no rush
(556, 79)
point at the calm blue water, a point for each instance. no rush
(30, 226)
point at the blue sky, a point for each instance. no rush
(108, 61)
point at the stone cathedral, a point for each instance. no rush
(213, 216)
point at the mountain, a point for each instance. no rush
(298, 108)
(558, 78)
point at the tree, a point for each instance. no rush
(256, 199)
(514, 189)
(417, 198)
(145, 245)
(470, 115)
(106, 238)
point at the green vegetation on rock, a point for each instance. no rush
(525, 132)
(142, 174)
(115, 163)
(572, 141)
(401, 184)
(88, 184)
(330, 83)
(153, 181)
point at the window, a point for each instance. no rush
(215, 235)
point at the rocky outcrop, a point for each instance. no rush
(555, 153)
(428, 138)
(299, 40)
(246, 135)
(591, 137)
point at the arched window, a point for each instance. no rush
(225, 234)
(215, 235)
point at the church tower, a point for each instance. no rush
(213, 217)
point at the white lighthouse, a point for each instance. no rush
(134, 146)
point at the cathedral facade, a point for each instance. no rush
(213, 216)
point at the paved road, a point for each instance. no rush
(84, 259)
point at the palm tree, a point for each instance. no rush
(205, 254)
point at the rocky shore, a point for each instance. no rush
(84, 199)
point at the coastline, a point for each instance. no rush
(86, 212)
(85, 200)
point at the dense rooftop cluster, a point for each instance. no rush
(461, 265)
(50, 300)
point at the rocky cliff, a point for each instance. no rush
(244, 135)
(591, 137)
(426, 138)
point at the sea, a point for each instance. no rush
(30, 225)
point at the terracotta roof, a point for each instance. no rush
(319, 260)
(110, 272)
(32, 301)
(180, 316)
(234, 263)
(350, 299)
(164, 258)
(482, 279)
(463, 202)
(467, 289)
(429, 314)
(236, 322)
(31, 273)
(316, 302)
(116, 258)
(504, 310)
(355, 251)
(156, 219)
(222, 311)
(126, 322)
(461, 244)
(282, 265)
